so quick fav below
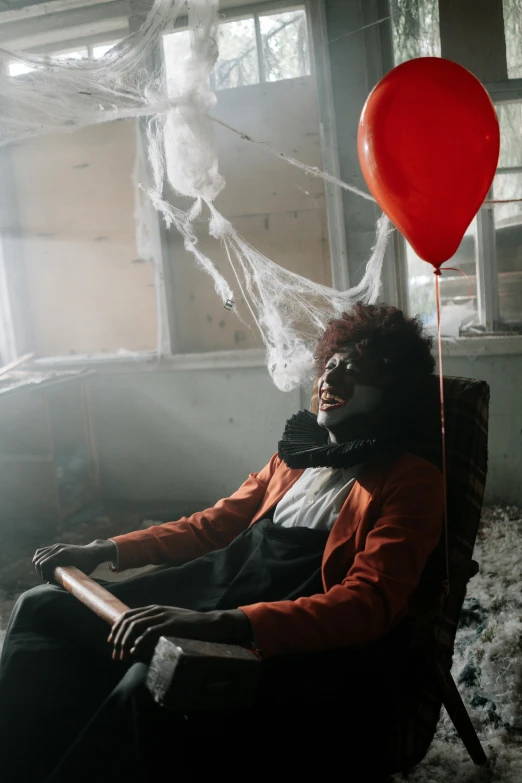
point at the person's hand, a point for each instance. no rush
(86, 558)
(137, 631)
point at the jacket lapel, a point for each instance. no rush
(340, 547)
(283, 479)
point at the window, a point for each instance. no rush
(280, 211)
(20, 68)
(85, 290)
(253, 49)
(238, 63)
(416, 33)
(80, 54)
(70, 225)
(504, 249)
(101, 51)
(496, 258)
(284, 44)
(415, 29)
(513, 32)
(486, 295)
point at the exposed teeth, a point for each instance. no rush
(328, 397)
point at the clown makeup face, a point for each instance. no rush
(347, 388)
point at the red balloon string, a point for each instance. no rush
(443, 430)
(454, 269)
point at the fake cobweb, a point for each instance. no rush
(129, 82)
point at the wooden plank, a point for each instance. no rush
(38, 8)
(284, 115)
(62, 20)
(15, 363)
(472, 34)
(88, 290)
(73, 44)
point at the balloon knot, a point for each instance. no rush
(437, 272)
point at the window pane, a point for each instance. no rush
(285, 45)
(176, 50)
(508, 236)
(508, 217)
(458, 292)
(415, 29)
(78, 55)
(510, 119)
(237, 64)
(18, 69)
(513, 32)
(100, 51)
(70, 236)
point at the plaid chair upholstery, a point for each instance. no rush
(466, 414)
(466, 418)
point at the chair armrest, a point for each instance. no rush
(187, 675)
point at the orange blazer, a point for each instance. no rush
(377, 549)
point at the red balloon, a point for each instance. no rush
(428, 147)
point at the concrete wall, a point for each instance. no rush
(185, 436)
(190, 437)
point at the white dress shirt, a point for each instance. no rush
(316, 498)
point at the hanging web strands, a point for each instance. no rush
(60, 96)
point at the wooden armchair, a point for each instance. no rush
(186, 675)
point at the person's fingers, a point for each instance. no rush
(40, 552)
(126, 620)
(48, 563)
(125, 616)
(40, 563)
(145, 643)
(137, 628)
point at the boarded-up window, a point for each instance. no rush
(277, 208)
(87, 291)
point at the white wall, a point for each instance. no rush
(185, 436)
(191, 437)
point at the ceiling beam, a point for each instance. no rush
(71, 44)
(14, 31)
(37, 9)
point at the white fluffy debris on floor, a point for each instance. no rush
(487, 664)
(488, 653)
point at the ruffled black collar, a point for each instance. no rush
(304, 444)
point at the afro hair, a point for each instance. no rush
(383, 334)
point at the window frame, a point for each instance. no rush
(506, 91)
(509, 91)
(166, 355)
(255, 11)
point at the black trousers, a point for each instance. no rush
(68, 712)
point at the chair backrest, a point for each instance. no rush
(466, 415)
